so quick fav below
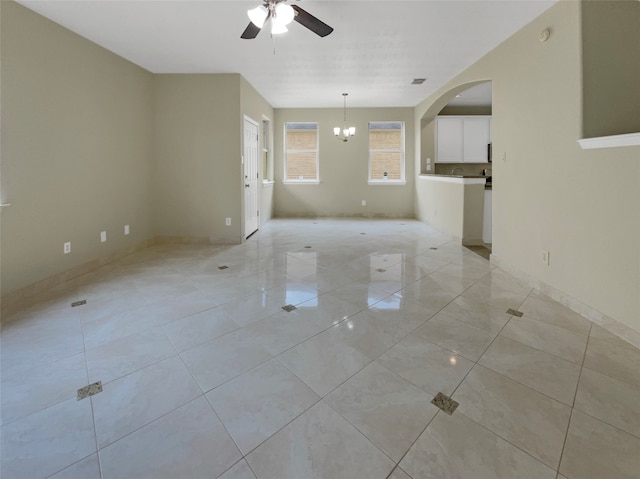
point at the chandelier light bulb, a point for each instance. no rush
(345, 132)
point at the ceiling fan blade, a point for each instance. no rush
(312, 23)
(250, 32)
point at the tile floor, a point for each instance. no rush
(204, 375)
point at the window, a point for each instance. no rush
(301, 153)
(386, 152)
(267, 162)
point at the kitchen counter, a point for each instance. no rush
(451, 176)
(459, 179)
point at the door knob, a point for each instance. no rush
(247, 185)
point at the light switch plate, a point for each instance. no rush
(544, 256)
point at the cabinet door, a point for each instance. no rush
(477, 135)
(449, 136)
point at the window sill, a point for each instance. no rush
(387, 182)
(301, 182)
(268, 183)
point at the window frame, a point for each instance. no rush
(380, 182)
(310, 181)
(267, 152)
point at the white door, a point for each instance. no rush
(250, 176)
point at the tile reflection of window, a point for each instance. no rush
(388, 280)
(299, 266)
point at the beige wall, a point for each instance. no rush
(76, 149)
(344, 167)
(91, 142)
(442, 205)
(611, 67)
(197, 171)
(548, 194)
(453, 207)
(473, 214)
(80, 155)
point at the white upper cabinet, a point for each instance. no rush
(449, 140)
(463, 139)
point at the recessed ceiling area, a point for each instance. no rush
(375, 51)
(478, 95)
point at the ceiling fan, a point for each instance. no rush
(281, 14)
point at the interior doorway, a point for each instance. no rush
(250, 158)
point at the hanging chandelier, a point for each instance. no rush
(345, 132)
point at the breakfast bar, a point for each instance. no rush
(455, 204)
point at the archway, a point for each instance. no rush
(427, 121)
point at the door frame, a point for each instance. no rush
(245, 159)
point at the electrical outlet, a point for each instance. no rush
(228, 222)
(103, 236)
(544, 256)
(126, 229)
(67, 248)
(364, 202)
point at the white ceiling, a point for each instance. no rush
(375, 51)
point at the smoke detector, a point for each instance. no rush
(544, 35)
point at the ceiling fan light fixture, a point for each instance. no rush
(278, 27)
(284, 13)
(258, 15)
(281, 15)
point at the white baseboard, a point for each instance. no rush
(623, 331)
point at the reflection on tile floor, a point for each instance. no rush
(205, 375)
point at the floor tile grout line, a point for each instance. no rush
(244, 456)
(450, 395)
(397, 464)
(529, 295)
(575, 395)
(477, 363)
(510, 442)
(358, 429)
(555, 356)
(553, 326)
(626, 383)
(129, 373)
(111, 443)
(622, 431)
(95, 436)
(439, 411)
(556, 469)
(71, 465)
(213, 409)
